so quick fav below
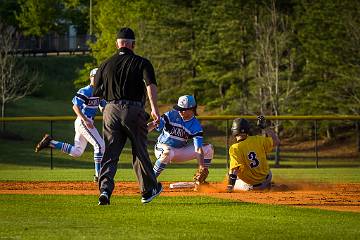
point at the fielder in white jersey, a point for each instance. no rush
(177, 126)
(85, 106)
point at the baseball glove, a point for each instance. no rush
(261, 122)
(201, 175)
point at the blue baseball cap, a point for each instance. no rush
(185, 102)
(93, 72)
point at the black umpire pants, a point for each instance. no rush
(120, 122)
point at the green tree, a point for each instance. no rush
(346, 91)
(224, 55)
(163, 37)
(8, 9)
(176, 54)
(77, 12)
(274, 55)
(38, 17)
(15, 80)
(320, 32)
(137, 15)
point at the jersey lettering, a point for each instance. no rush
(254, 161)
(93, 102)
(175, 132)
(178, 132)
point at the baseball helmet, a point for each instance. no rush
(185, 102)
(240, 125)
(93, 72)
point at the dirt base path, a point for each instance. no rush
(339, 197)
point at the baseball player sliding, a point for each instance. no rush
(177, 126)
(249, 168)
(85, 106)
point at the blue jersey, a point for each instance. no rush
(86, 102)
(176, 132)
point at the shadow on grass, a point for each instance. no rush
(26, 157)
(312, 162)
(81, 164)
(182, 202)
(44, 161)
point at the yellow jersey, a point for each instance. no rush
(250, 156)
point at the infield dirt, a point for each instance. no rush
(338, 197)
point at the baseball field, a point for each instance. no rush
(40, 202)
(37, 202)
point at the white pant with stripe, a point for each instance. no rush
(167, 154)
(83, 135)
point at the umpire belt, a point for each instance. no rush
(128, 102)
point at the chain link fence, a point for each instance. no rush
(303, 150)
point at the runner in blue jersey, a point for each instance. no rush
(177, 127)
(85, 106)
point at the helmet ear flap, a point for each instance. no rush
(235, 128)
(240, 125)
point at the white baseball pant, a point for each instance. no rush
(243, 186)
(167, 154)
(83, 135)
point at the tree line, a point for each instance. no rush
(272, 57)
(242, 56)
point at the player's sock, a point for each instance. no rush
(97, 169)
(207, 163)
(158, 167)
(97, 161)
(65, 147)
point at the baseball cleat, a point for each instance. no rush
(149, 196)
(96, 179)
(197, 185)
(45, 142)
(104, 199)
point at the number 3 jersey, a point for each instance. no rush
(176, 131)
(250, 156)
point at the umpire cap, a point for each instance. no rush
(240, 125)
(126, 33)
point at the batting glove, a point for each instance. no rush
(231, 182)
(261, 122)
(229, 188)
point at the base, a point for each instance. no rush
(182, 185)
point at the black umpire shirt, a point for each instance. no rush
(124, 76)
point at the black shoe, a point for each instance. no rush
(104, 199)
(149, 196)
(45, 142)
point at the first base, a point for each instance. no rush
(182, 185)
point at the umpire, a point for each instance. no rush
(123, 81)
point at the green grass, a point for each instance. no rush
(34, 106)
(57, 75)
(77, 217)
(326, 175)
(172, 173)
